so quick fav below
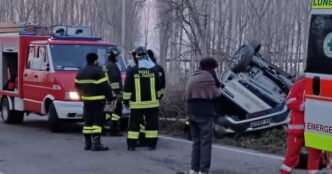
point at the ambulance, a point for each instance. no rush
(318, 78)
(38, 66)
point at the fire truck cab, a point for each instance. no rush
(318, 78)
(37, 70)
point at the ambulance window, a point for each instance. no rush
(319, 58)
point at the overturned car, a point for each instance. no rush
(254, 92)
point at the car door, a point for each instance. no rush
(36, 78)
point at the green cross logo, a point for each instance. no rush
(327, 47)
(329, 44)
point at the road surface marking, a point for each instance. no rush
(232, 149)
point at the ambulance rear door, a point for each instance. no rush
(318, 90)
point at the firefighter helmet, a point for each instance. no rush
(114, 51)
(140, 51)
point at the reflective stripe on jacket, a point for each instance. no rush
(92, 84)
(142, 88)
(114, 76)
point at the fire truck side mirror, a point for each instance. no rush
(47, 67)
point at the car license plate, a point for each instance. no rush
(260, 123)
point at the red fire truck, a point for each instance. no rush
(37, 70)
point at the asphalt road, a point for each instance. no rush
(30, 148)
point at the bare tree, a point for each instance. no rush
(103, 15)
(219, 27)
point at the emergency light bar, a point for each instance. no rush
(62, 30)
(59, 32)
(87, 38)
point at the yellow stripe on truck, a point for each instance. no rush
(318, 141)
(321, 4)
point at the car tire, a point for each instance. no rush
(242, 58)
(10, 116)
(53, 119)
(255, 45)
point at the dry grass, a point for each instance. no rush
(270, 140)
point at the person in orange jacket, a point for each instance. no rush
(295, 141)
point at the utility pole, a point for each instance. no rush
(123, 27)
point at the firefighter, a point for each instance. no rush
(141, 96)
(93, 87)
(114, 77)
(295, 140)
(161, 75)
(141, 142)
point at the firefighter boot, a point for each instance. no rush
(131, 144)
(192, 172)
(88, 142)
(131, 148)
(141, 140)
(96, 144)
(114, 132)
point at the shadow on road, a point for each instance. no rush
(41, 124)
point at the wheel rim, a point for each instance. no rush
(4, 112)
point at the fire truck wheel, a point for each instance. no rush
(10, 116)
(53, 119)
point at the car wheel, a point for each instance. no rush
(255, 45)
(10, 116)
(53, 119)
(242, 58)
